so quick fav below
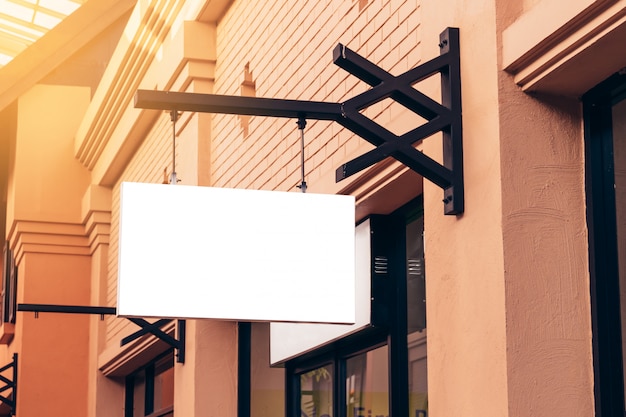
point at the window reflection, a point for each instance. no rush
(367, 384)
(619, 155)
(364, 390)
(267, 396)
(152, 392)
(316, 392)
(416, 284)
(416, 317)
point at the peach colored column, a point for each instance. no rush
(44, 227)
(206, 385)
(53, 361)
(467, 345)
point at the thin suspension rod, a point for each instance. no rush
(174, 118)
(301, 125)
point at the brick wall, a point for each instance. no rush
(154, 155)
(288, 47)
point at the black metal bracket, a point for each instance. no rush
(177, 343)
(155, 329)
(442, 117)
(9, 383)
(445, 117)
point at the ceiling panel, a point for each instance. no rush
(22, 22)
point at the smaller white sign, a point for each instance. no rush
(288, 340)
(249, 255)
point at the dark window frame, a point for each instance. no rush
(390, 326)
(603, 256)
(9, 286)
(151, 372)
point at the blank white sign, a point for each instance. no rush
(249, 255)
(288, 340)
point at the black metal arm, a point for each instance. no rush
(442, 117)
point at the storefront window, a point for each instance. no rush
(267, 389)
(316, 392)
(367, 384)
(605, 152)
(150, 390)
(416, 316)
(619, 158)
(382, 367)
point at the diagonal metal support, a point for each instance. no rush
(9, 383)
(445, 117)
(146, 328)
(155, 329)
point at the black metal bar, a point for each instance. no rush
(148, 398)
(11, 399)
(14, 384)
(246, 106)
(5, 367)
(181, 329)
(358, 66)
(428, 68)
(244, 366)
(53, 308)
(444, 117)
(5, 379)
(604, 259)
(154, 329)
(454, 195)
(400, 149)
(397, 340)
(129, 396)
(8, 402)
(146, 328)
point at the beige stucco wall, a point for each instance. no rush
(464, 259)
(509, 330)
(508, 283)
(291, 57)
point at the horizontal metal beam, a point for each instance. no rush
(444, 117)
(146, 328)
(54, 308)
(246, 106)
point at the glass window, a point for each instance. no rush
(150, 390)
(267, 391)
(415, 277)
(618, 114)
(9, 289)
(416, 315)
(391, 353)
(164, 388)
(367, 384)
(605, 153)
(316, 392)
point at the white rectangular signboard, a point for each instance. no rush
(288, 340)
(202, 252)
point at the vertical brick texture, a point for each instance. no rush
(288, 45)
(153, 156)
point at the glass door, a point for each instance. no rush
(605, 169)
(618, 127)
(367, 384)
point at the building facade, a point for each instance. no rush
(513, 307)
